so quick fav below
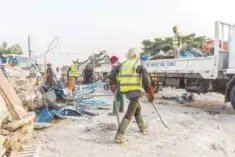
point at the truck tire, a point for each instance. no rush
(232, 97)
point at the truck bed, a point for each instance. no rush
(201, 65)
(204, 66)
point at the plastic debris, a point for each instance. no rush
(89, 88)
(46, 116)
(92, 102)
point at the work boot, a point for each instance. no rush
(114, 112)
(121, 129)
(142, 126)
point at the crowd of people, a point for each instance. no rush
(69, 79)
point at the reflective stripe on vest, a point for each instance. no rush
(73, 70)
(176, 43)
(128, 78)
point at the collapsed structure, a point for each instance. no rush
(19, 96)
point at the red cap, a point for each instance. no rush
(113, 59)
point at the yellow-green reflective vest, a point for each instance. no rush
(128, 78)
(176, 42)
(73, 71)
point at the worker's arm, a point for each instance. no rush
(113, 73)
(146, 81)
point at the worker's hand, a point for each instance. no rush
(151, 95)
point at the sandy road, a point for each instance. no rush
(195, 133)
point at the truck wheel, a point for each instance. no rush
(232, 97)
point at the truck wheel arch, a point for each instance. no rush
(232, 97)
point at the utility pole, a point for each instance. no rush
(94, 61)
(45, 62)
(29, 47)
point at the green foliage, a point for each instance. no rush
(98, 59)
(151, 47)
(13, 49)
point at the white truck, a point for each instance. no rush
(200, 74)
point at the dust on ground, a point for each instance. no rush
(195, 132)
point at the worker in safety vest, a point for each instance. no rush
(132, 76)
(176, 41)
(114, 87)
(73, 74)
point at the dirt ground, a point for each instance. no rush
(195, 132)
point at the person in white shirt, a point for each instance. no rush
(58, 77)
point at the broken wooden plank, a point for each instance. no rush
(27, 151)
(12, 126)
(90, 113)
(11, 98)
(103, 107)
(2, 149)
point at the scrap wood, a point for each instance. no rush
(103, 107)
(68, 98)
(15, 139)
(18, 123)
(28, 151)
(2, 148)
(90, 113)
(11, 97)
(40, 125)
(4, 132)
(169, 97)
(96, 107)
(11, 110)
(4, 113)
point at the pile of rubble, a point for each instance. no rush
(22, 98)
(16, 122)
(26, 87)
(18, 95)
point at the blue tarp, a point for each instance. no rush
(46, 116)
(186, 53)
(185, 98)
(70, 112)
(144, 58)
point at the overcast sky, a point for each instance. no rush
(89, 26)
